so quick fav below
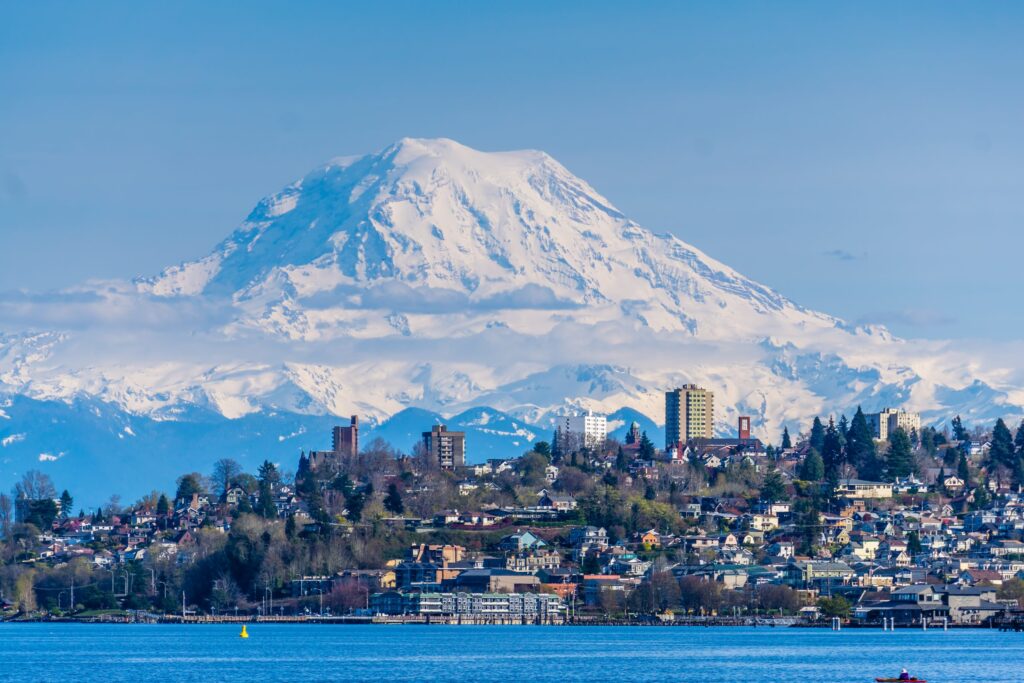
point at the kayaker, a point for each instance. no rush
(905, 675)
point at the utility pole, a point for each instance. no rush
(72, 607)
(182, 606)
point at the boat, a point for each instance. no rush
(244, 633)
(900, 680)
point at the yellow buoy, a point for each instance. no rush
(244, 633)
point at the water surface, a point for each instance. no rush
(215, 653)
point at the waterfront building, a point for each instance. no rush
(530, 607)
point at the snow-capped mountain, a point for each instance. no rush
(435, 276)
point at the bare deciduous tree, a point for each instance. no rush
(225, 471)
(35, 485)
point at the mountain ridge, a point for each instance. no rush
(433, 276)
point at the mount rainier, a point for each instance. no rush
(428, 281)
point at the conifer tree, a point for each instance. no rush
(393, 500)
(860, 446)
(843, 428)
(914, 543)
(788, 443)
(961, 435)
(1002, 452)
(773, 488)
(963, 470)
(812, 468)
(981, 498)
(832, 453)
(66, 502)
(646, 447)
(817, 440)
(899, 459)
(808, 524)
(622, 460)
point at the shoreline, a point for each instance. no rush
(468, 621)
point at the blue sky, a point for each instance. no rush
(864, 159)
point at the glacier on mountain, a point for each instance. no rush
(433, 276)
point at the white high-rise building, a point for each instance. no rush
(889, 420)
(592, 430)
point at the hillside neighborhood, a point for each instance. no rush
(873, 520)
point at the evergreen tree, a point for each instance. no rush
(1018, 440)
(342, 483)
(268, 473)
(928, 441)
(544, 448)
(773, 488)
(961, 435)
(66, 503)
(302, 471)
(817, 440)
(860, 446)
(393, 500)
(354, 503)
(646, 447)
(290, 527)
(265, 500)
(556, 447)
(163, 506)
(622, 460)
(650, 493)
(981, 498)
(786, 441)
(808, 524)
(913, 543)
(769, 452)
(900, 458)
(940, 482)
(843, 428)
(963, 470)
(812, 468)
(189, 485)
(832, 453)
(1002, 452)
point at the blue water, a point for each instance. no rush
(303, 653)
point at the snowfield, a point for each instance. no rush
(435, 276)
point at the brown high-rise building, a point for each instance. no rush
(447, 449)
(744, 428)
(345, 440)
(344, 444)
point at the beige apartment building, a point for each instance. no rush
(689, 414)
(889, 420)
